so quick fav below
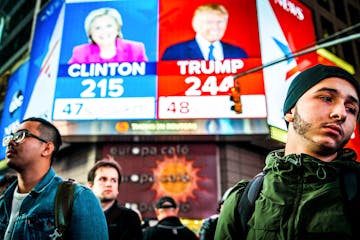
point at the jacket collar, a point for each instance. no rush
(345, 154)
(45, 181)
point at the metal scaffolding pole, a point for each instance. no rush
(300, 53)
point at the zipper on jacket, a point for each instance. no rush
(299, 190)
(294, 159)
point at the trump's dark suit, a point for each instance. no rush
(191, 50)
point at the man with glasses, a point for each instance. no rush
(28, 206)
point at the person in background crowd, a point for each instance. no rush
(305, 193)
(209, 23)
(208, 227)
(104, 179)
(5, 181)
(169, 225)
(144, 221)
(27, 206)
(103, 29)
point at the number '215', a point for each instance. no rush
(108, 88)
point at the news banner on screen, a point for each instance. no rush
(157, 88)
(159, 84)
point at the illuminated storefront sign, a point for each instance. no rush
(187, 172)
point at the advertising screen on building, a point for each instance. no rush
(120, 67)
(156, 70)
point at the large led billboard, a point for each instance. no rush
(159, 85)
(158, 77)
(170, 79)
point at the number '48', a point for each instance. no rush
(182, 107)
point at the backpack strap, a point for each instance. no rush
(247, 200)
(350, 187)
(63, 207)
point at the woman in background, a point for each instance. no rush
(103, 29)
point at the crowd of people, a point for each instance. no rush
(310, 189)
(30, 199)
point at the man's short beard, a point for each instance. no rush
(299, 124)
(302, 127)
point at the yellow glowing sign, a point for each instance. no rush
(176, 177)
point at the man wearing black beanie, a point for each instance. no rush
(312, 76)
(311, 189)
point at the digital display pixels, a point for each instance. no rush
(144, 80)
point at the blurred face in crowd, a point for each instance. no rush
(106, 184)
(210, 24)
(104, 30)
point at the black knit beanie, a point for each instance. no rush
(311, 76)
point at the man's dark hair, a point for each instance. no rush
(48, 132)
(104, 163)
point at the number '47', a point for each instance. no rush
(74, 108)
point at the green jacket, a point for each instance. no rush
(301, 198)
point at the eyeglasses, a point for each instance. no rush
(19, 136)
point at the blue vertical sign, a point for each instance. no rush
(13, 105)
(31, 88)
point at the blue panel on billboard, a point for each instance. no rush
(139, 24)
(13, 104)
(107, 66)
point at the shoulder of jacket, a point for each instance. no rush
(183, 44)
(124, 210)
(239, 187)
(79, 188)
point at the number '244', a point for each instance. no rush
(209, 86)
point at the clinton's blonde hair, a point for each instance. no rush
(102, 12)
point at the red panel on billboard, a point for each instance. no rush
(176, 23)
(354, 142)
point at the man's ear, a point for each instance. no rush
(195, 24)
(177, 210)
(48, 150)
(289, 116)
(157, 212)
(90, 184)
